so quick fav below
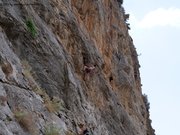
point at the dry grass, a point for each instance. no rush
(54, 105)
(3, 99)
(26, 120)
(49, 106)
(6, 68)
(70, 133)
(27, 69)
(38, 89)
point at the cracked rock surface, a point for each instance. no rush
(41, 77)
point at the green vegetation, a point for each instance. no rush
(52, 129)
(31, 27)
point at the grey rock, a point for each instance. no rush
(41, 73)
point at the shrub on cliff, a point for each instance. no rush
(31, 27)
(146, 102)
(120, 1)
(3, 99)
(54, 105)
(69, 133)
(52, 129)
(26, 120)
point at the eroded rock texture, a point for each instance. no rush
(41, 74)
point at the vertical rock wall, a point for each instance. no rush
(41, 74)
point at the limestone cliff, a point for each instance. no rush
(44, 45)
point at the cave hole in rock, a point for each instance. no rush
(110, 79)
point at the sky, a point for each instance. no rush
(155, 30)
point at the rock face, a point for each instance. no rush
(41, 78)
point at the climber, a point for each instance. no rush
(87, 69)
(84, 130)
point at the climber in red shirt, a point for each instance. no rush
(87, 69)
